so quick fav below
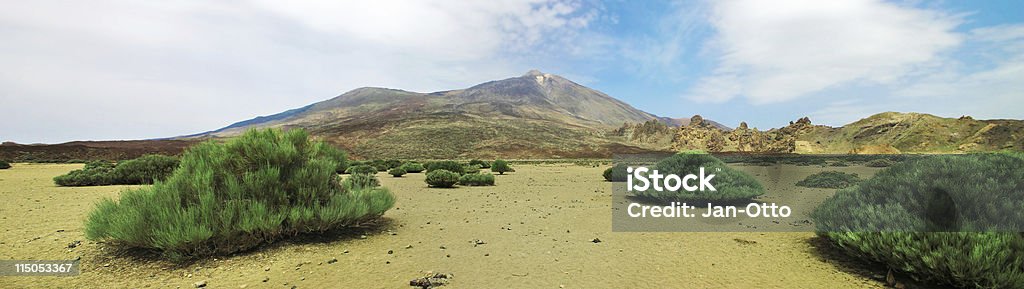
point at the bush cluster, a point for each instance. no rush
(359, 181)
(142, 170)
(441, 178)
(731, 185)
(361, 169)
(413, 167)
(879, 163)
(451, 166)
(501, 167)
(830, 180)
(947, 219)
(397, 172)
(4, 165)
(480, 163)
(230, 197)
(477, 180)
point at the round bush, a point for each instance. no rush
(397, 172)
(477, 180)
(362, 169)
(441, 178)
(879, 163)
(500, 167)
(480, 163)
(829, 180)
(471, 169)
(451, 166)
(360, 181)
(4, 165)
(413, 167)
(947, 219)
(731, 185)
(145, 169)
(260, 187)
(616, 173)
(95, 173)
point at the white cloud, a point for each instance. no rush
(129, 69)
(773, 51)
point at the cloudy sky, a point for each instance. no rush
(77, 70)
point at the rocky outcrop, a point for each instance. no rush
(699, 135)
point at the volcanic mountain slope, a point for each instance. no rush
(536, 115)
(883, 133)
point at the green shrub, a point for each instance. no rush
(471, 169)
(95, 173)
(335, 154)
(731, 185)
(616, 173)
(839, 164)
(258, 188)
(946, 219)
(830, 180)
(500, 167)
(397, 172)
(451, 166)
(441, 178)
(482, 164)
(360, 181)
(4, 165)
(145, 169)
(477, 180)
(879, 163)
(413, 167)
(362, 169)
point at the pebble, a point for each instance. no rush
(391, 252)
(265, 279)
(267, 268)
(332, 260)
(596, 240)
(200, 284)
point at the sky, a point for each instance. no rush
(103, 70)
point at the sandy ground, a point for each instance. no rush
(536, 226)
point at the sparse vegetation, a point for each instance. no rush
(360, 181)
(485, 179)
(451, 166)
(731, 185)
(361, 169)
(616, 173)
(501, 166)
(397, 172)
(839, 164)
(830, 180)
(230, 197)
(412, 167)
(441, 178)
(947, 219)
(4, 165)
(482, 164)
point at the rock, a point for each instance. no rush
(200, 284)
(479, 242)
(266, 268)
(408, 246)
(391, 252)
(265, 279)
(344, 252)
(332, 260)
(595, 240)
(74, 244)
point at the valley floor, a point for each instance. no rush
(535, 229)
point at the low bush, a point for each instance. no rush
(477, 180)
(360, 181)
(830, 180)
(945, 219)
(362, 169)
(397, 172)
(839, 164)
(97, 175)
(441, 178)
(451, 166)
(879, 163)
(413, 167)
(255, 189)
(731, 185)
(4, 165)
(145, 169)
(482, 164)
(616, 173)
(501, 166)
(471, 169)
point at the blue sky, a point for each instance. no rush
(130, 69)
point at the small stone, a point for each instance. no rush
(391, 252)
(595, 240)
(200, 284)
(106, 265)
(479, 242)
(265, 279)
(362, 236)
(408, 246)
(266, 268)
(344, 252)
(442, 248)
(332, 261)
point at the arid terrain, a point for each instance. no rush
(536, 228)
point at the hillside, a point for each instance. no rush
(537, 115)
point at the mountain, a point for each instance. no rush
(883, 133)
(537, 115)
